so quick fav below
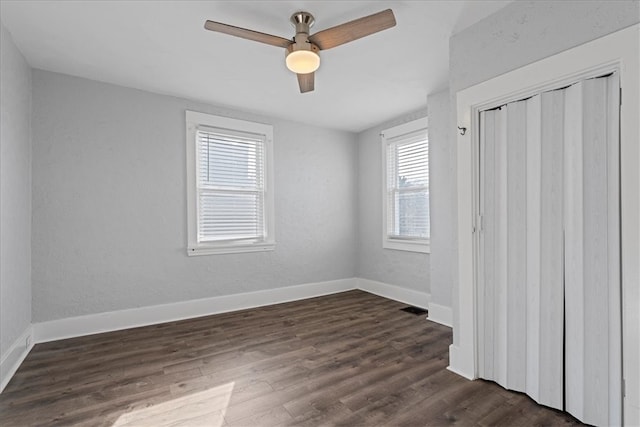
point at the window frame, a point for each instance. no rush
(388, 242)
(194, 120)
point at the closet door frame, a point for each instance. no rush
(617, 52)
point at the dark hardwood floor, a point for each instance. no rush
(346, 359)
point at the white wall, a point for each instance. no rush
(519, 34)
(15, 201)
(442, 199)
(400, 268)
(109, 203)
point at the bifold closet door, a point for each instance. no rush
(549, 269)
(593, 358)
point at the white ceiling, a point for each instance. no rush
(162, 47)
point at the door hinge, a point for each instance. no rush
(480, 223)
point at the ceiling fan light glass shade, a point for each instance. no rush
(303, 61)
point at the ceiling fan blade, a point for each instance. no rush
(353, 30)
(306, 82)
(247, 34)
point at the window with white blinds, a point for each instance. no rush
(231, 198)
(230, 185)
(406, 187)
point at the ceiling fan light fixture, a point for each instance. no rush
(303, 61)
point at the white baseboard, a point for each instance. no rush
(143, 316)
(462, 374)
(440, 314)
(14, 356)
(407, 296)
(459, 365)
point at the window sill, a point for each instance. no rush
(407, 245)
(229, 249)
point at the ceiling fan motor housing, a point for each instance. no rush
(305, 45)
(302, 21)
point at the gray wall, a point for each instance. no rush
(15, 193)
(442, 198)
(400, 268)
(526, 31)
(519, 34)
(109, 203)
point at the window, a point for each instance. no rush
(406, 187)
(230, 185)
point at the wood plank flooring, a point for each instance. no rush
(346, 359)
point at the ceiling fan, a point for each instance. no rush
(302, 52)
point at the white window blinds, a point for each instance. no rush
(408, 186)
(230, 185)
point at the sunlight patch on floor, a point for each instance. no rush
(202, 408)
